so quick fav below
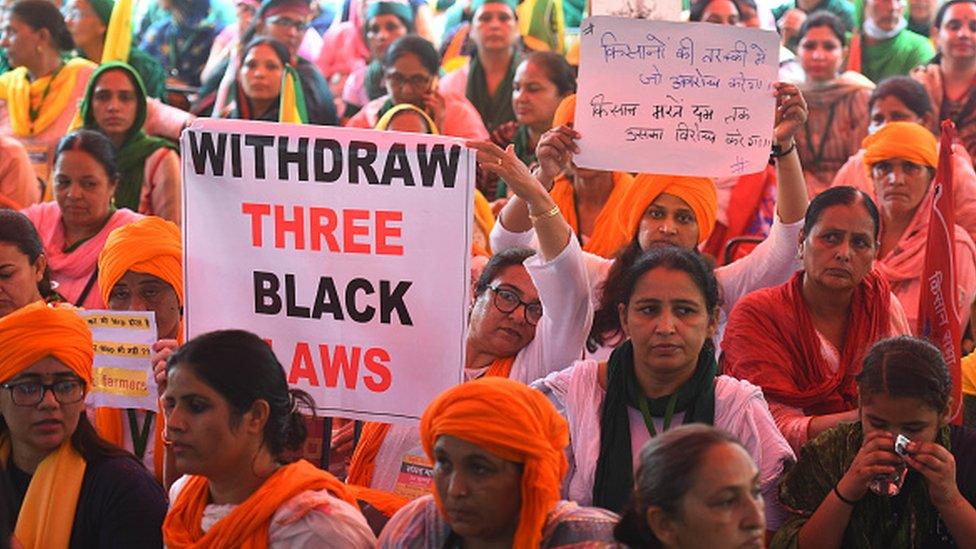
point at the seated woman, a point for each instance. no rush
(542, 81)
(680, 474)
(386, 22)
(902, 157)
(19, 186)
(901, 99)
(663, 375)
(24, 276)
(149, 167)
(838, 102)
(88, 22)
(230, 418)
(924, 496)
(411, 67)
(529, 317)
(265, 72)
(141, 269)
(677, 211)
(75, 226)
(38, 96)
(498, 486)
(71, 487)
(802, 341)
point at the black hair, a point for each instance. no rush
(96, 145)
(280, 50)
(89, 443)
(906, 367)
(498, 263)
(420, 47)
(633, 263)
(243, 369)
(698, 8)
(906, 90)
(42, 14)
(944, 8)
(557, 70)
(839, 196)
(17, 229)
(669, 464)
(824, 18)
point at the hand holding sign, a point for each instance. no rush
(791, 112)
(555, 152)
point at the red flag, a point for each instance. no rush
(938, 318)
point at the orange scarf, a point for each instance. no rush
(605, 239)
(246, 527)
(23, 95)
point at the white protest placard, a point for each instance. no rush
(675, 98)
(122, 372)
(346, 249)
(656, 10)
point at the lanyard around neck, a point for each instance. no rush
(35, 113)
(668, 414)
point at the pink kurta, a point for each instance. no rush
(343, 50)
(455, 82)
(461, 119)
(72, 271)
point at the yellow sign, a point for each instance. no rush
(118, 381)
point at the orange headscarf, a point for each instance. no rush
(247, 525)
(904, 140)
(149, 246)
(565, 112)
(515, 423)
(28, 335)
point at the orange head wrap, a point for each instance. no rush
(150, 246)
(515, 423)
(565, 112)
(905, 140)
(38, 331)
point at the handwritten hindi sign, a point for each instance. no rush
(346, 249)
(657, 10)
(675, 98)
(122, 373)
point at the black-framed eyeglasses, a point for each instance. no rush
(508, 301)
(282, 21)
(31, 393)
(417, 81)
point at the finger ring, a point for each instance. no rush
(499, 161)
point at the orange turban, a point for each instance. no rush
(565, 112)
(37, 331)
(515, 423)
(150, 246)
(905, 140)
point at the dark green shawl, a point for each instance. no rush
(136, 148)
(494, 110)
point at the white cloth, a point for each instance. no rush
(332, 522)
(740, 409)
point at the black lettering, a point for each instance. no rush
(397, 165)
(319, 148)
(299, 158)
(266, 298)
(204, 152)
(369, 311)
(436, 161)
(327, 300)
(291, 309)
(259, 142)
(394, 301)
(364, 162)
(235, 154)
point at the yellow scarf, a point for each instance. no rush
(48, 512)
(22, 95)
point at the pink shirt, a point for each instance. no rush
(461, 119)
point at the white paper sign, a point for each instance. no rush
(675, 98)
(346, 249)
(656, 10)
(122, 373)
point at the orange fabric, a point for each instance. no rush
(515, 423)
(745, 201)
(37, 331)
(565, 112)
(384, 502)
(246, 527)
(363, 462)
(854, 53)
(150, 246)
(903, 140)
(109, 424)
(606, 235)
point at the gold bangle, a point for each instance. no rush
(545, 215)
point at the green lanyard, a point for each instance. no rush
(668, 414)
(140, 439)
(34, 113)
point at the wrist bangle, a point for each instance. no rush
(545, 215)
(778, 151)
(850, 502)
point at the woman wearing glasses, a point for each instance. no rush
(530, 316)
(411, 67)
(71, 488)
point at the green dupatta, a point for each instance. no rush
(895, 56)
(494, 110)
(136, 148)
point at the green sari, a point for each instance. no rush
(495, 109)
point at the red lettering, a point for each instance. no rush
(376, 360)
(296, 226)
(302, 366)
(318, 231)
(256, 211)
(384, 232)
(340, 361)
(350, 231)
